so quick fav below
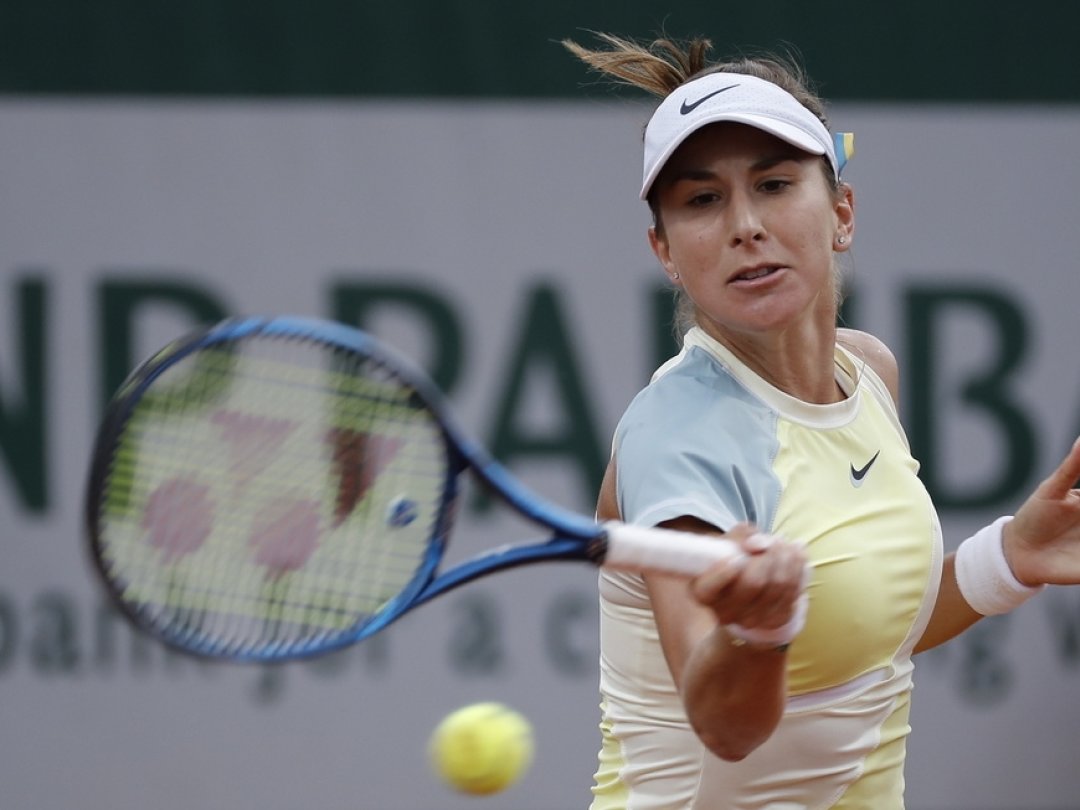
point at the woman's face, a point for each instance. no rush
(750, 225)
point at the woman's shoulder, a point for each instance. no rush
(878, 356)
(695, 402)
(687, 388)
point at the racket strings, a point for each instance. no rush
(275, 495)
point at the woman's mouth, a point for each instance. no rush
(756, 273)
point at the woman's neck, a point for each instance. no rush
(799, 362)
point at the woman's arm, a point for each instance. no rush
(952, 615)
(733, 692)
(1006, 563)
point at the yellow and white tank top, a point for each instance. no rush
(710, 439)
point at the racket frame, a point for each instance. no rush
(573, 537)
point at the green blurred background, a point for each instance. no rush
(922, 50)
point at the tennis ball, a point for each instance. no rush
(482, 748)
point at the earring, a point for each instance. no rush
(674, 276)
(840, 240)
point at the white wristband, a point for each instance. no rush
(983, 574)
(775, 637)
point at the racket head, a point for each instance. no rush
(271, 488)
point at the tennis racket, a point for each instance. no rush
(276, 488)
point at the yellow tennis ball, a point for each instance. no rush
(482, 748)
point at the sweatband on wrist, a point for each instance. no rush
(774, 637)
(983, 575)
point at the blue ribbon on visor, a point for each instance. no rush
(844, 144)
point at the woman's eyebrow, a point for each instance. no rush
(691, 173)
(763, 163)
(771, 161)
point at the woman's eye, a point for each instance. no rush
(775, 185)
(703, 198)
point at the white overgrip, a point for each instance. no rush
(638, 549)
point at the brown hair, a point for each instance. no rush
(663, 65)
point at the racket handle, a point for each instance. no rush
(636, 548)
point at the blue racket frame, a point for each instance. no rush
(574, 537)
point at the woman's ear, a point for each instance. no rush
(844, 210)
(662, 252)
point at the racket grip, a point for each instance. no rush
(636, 548)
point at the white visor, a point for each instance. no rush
(743, 99)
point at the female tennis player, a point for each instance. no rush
(757, 687)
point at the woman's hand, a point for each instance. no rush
(763, 592)
(1042, 541)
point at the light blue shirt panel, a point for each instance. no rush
(695, 442)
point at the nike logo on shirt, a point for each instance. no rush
(858, 475)
(688, 108)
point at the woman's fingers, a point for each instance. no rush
(762, 592)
